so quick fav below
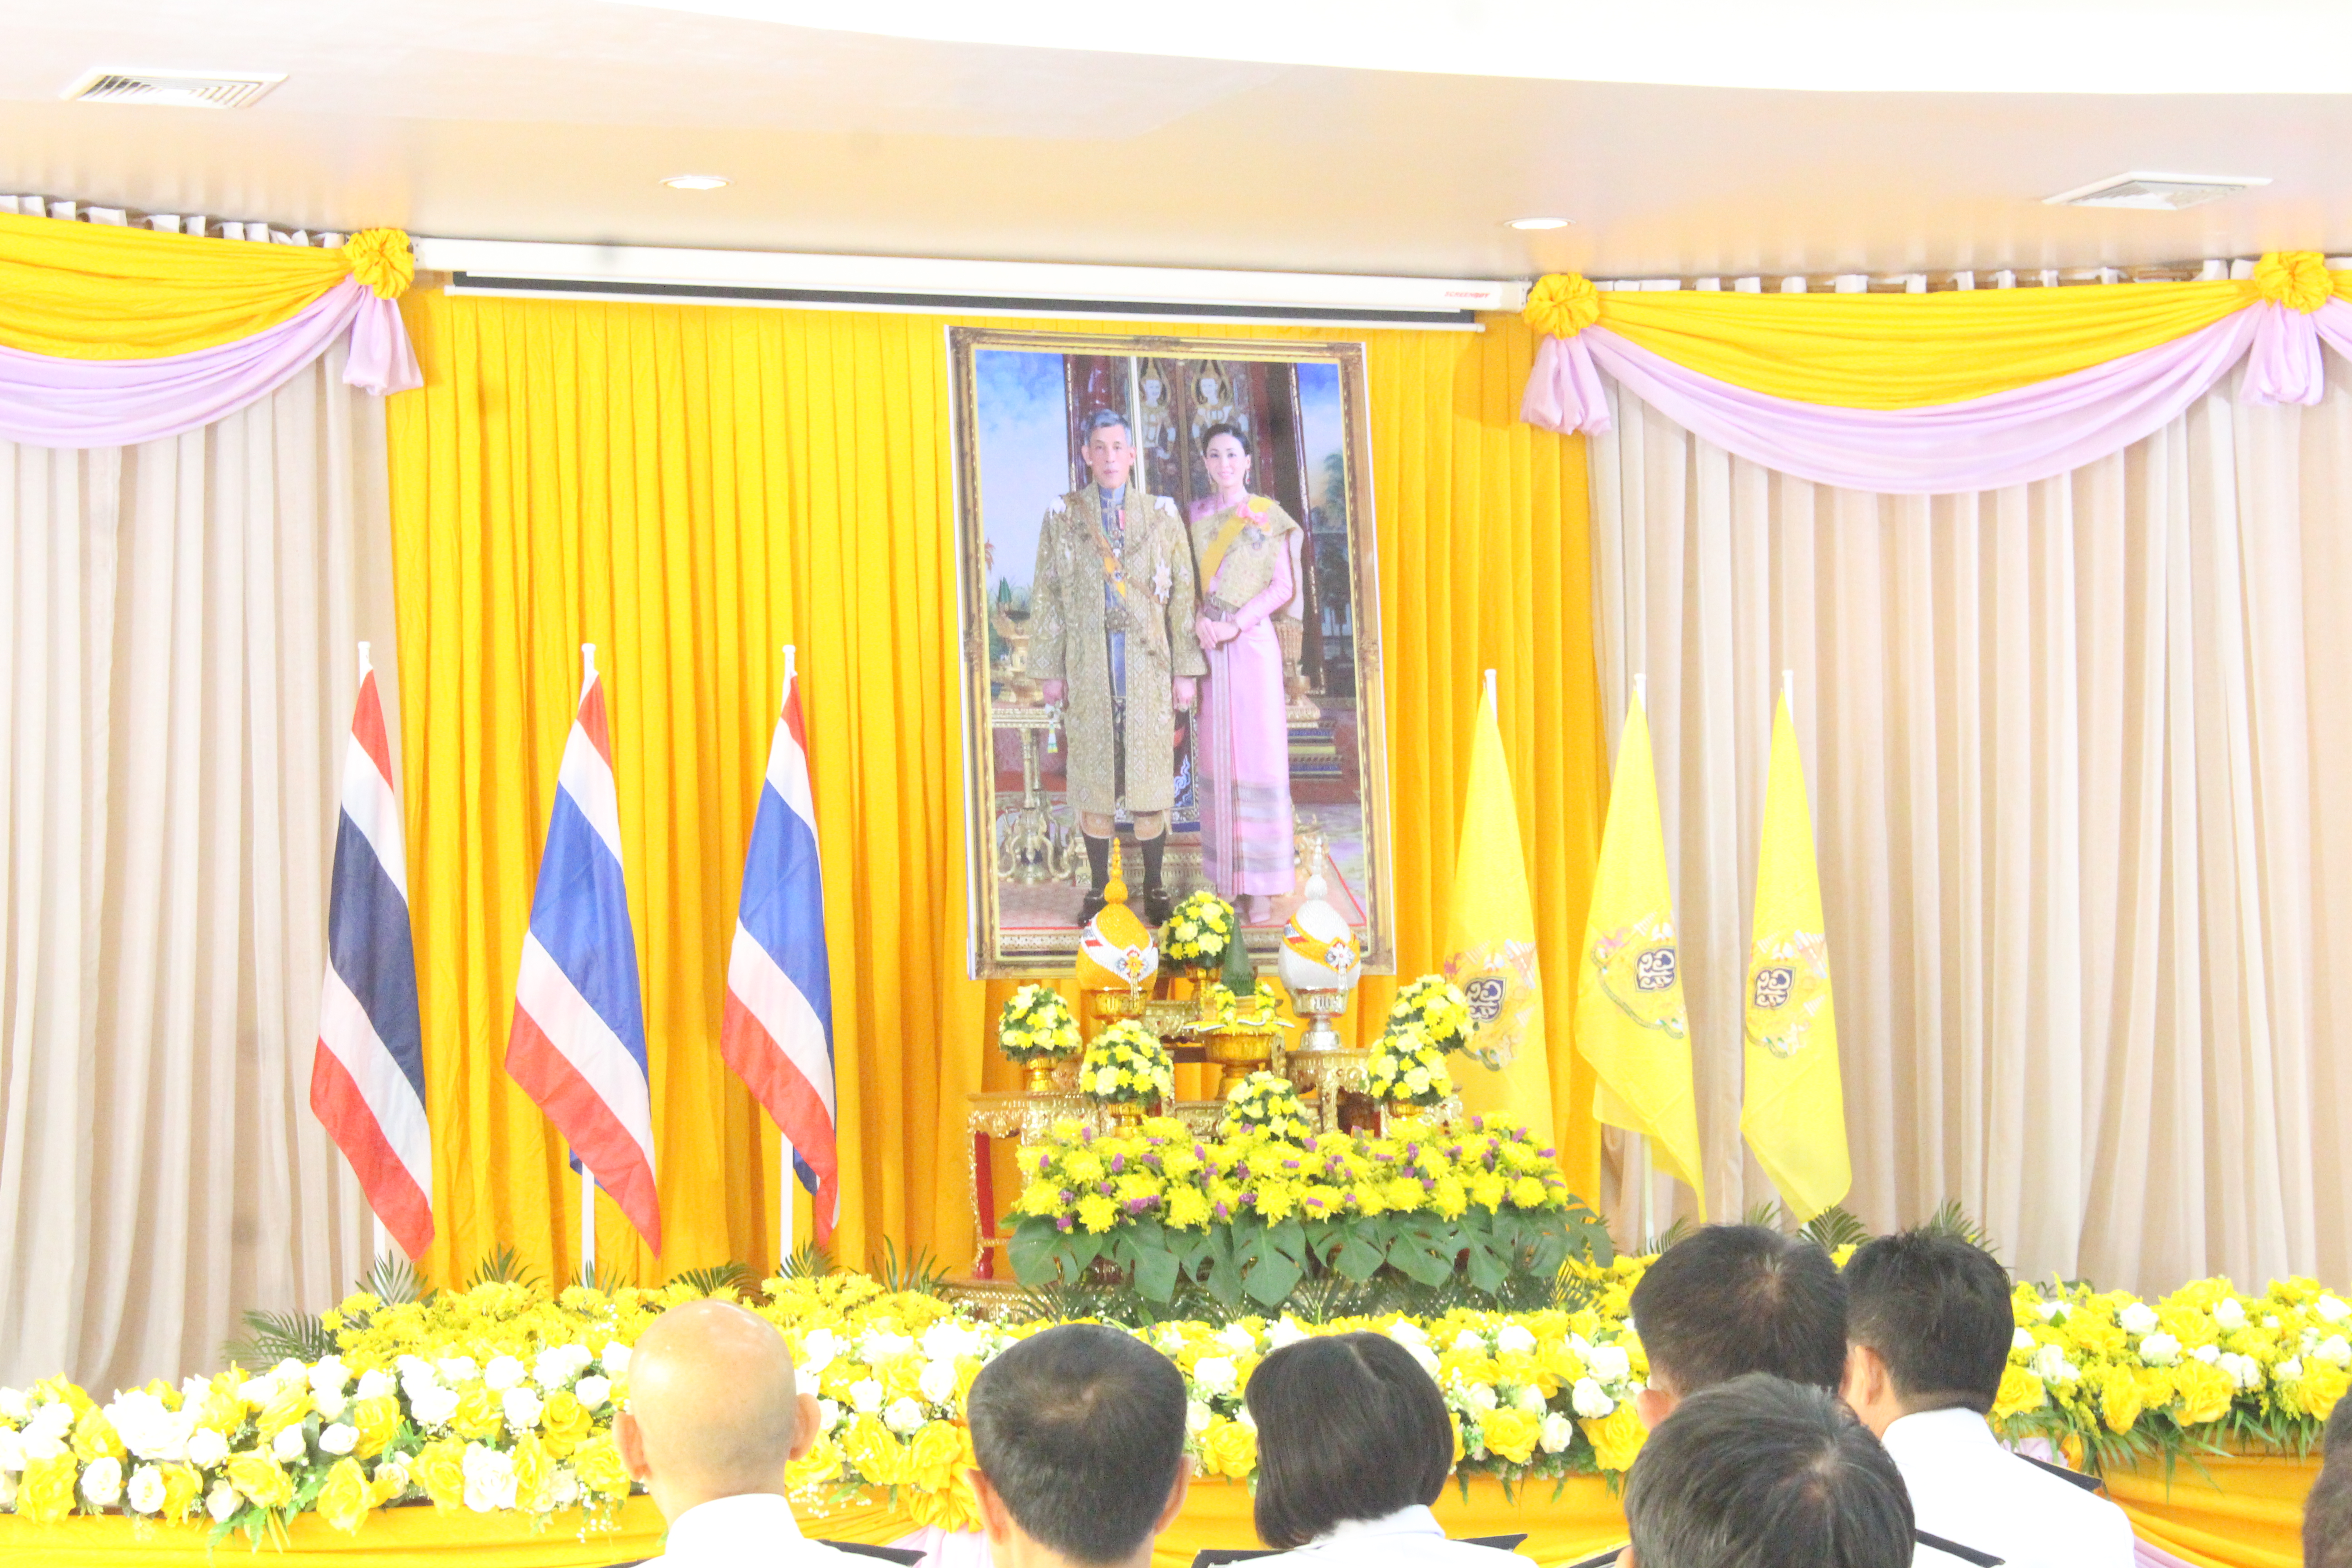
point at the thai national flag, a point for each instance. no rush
(778, 1033)
(367, 1076)
(578, 1045)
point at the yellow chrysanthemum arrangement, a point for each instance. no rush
(1436, 1007)
(1036, 1024)
(1199, 931)
(1407, 1069)
(1126, 1064)
(1265, 1103)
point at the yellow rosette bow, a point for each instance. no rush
(1562, 305)
(381, 258)
(2295, 279)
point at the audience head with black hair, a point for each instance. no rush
(1929, 1321)
(2327, 1511)
(1761, 1472)
(1079, 1433)
(1729, 1300)
(1931, 1325)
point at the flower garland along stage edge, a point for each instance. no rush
(502, 1397)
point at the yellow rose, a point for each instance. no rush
(391, 1481)
(531, 1470)
(820, 1463)
(182, 1486)
(440, 1469)
(598, 1464)
(286, 1408)
(346, 1498)
(938, 1454)
(2323, 1383)
(564, 1423)
(878, 1457)
(45, 1493)
(1510, 1433)
(94, 1437)
(478, 1414)
(377, 1422)
(2020, 1391)
(901, 1376)
(2201, 1392)
(260, 1477)
(1616, 1437)
(1229, 1448)
(2119, 1397)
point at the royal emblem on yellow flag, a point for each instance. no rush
(1794, 1115)
(1630, 1020)
(1490, 944)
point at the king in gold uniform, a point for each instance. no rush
(1111, 636)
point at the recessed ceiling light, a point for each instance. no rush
(695, 182)
(2154, 192)
(1536, 223)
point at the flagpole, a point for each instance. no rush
(1638, 1155)
(784, 1144)
(587, 1176)
(1788, 693)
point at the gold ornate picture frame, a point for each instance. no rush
(1021, 406)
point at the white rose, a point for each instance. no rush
(1469, 1340)
(1407, 1333)
(39, 1447)
(2289, 1370)
(375, 1384)
(2228, 1313)
(146, 1490)
(2209, 1355)
(1590, 1400)
(1196, 1417)
(1558, 1432)
(7, 1488)
(1286, 1332)
(457, 1369)
(2159, 1350)
(2331, 1310)
(1480, 1397)
(947, 1338)
(2050, 1365)
(331, 1403)
(592, 1391)
(1237, 1339)
(503, 1372)
(615, 1359)
(393, 1476)
(489, 1478)
(206, 1449)
(865, 1395)
(101, 1481)
(220, 1503)
(51, 1422)
(2336, 1347)
(817, 1350)
(2046, 1311)
(1215, 1375)
(290, 1371)
(1513, 1336)
(2270, 1319)
(289, 1444)
(1425, 1356)
(878, 1347)
(2245, 1371)
(2022, 1339)
(905, 1418)
(522, 1407)
(1531, 1400)
(12, 1449)
(433, 1405)
(338, 1439)
(2138, 1318)
(14, 1406)
(828, 1414)
(938, 1382)
(328, 1376)
(564, 1487)
(1245, 1418)
(1609, 1363)
(257, 1389)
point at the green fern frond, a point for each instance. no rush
(392, 1280)
(731, 1277)
(810, 1260)
(1834, 1227)
(916, 1272)
(1653, 1245)
(504, 1267)
(272, 1337)
(605, 1278)
(1953, 1220)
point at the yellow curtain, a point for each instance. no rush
(83, 291)
(690, 488)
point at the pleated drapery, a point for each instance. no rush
(175, 666)
(2072, 748)
(690, 488)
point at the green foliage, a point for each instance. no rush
(1952, 1220)
(392, 1280)
(504, 1267)
(1346, 1266)
(916, 1272)
(272, 1337)
(810, 1260)
(1834, 1227)
(711, 1279)
(1659, 1241)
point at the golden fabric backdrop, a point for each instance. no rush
(690, 488)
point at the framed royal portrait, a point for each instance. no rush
(1171, 636)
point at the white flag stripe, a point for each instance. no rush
(344, 1026)
(594, 1051)
(768, 995)
(369, 801)
(788, 775)
(583, 775)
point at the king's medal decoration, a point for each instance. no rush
(1788, 983)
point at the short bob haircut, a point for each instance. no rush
(1348, 1427)
(1225, 428)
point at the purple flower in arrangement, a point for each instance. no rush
(1429, 1183)
(1085, 1134)
(1065, 1222)
(1104, 1188)
(1290, 1165)
(1223, 1212)
(1315, 1203)
(1117, 1163)
(1548, 1153)
(1137, 1205)
(1069, 1197)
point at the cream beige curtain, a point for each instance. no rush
(176, 686)
(2079, 755)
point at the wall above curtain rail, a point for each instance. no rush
(111, 335)
(1929, 392)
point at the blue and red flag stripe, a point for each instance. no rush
(578, 1045)
(367, 1075)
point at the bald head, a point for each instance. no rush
(713, 1410)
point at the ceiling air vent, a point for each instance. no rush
(2154, 192)
(177, 89)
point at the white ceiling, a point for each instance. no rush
(555, 118)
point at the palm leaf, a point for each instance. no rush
(1834, 1227)
(392, 1280)
(734, 1277)
(916, 1273)
(504, 1267)
(1953, 1220)
(272, 1337)
(810, 1260)
(603, 1278)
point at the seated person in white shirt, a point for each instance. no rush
(1079, 1433)
(1761, 1472)
(1729, 1300)
(1353, 1444)
(2327, 1511)
(713, 1417)
(1930, 1321)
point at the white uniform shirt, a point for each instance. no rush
(1408, 1538)
(756, 1528)
(1967, 1487)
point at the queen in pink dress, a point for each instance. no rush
(1248, 551)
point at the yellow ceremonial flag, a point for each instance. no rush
(1795, 1113)
(1630, 1022)
(1490, 945)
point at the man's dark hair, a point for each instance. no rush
(1734, 1299)
(2327, 1511)
(1936, 1311)
(1761, 1472)
(1227, 427)
(1080, 1429)
(1348, 1426)
(1102, 419)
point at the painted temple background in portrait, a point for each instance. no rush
(1024, 402)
